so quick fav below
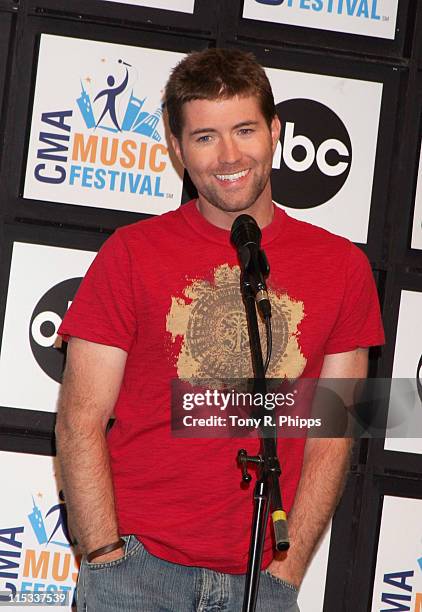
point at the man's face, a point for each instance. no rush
(227, 148)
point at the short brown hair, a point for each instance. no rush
(212, 74)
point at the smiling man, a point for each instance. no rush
(162, 301)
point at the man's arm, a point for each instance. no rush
(89, 392)
(325, 464)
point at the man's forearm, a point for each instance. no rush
(321, 485)
(325, 465)
(85, 467)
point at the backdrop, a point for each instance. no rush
(347, 81)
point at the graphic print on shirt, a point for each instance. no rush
(210, 318)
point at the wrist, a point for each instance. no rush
(107, 549)
(284, 571)
(108, 557)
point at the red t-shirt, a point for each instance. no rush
(166, 290)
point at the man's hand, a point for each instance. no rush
(325, 464)
(279, 568)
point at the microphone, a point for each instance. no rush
(246, 237)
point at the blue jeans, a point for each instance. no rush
(140, 582)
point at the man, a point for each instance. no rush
(162, 301)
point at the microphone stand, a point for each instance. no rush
(267, 487)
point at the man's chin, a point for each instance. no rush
(233, 206)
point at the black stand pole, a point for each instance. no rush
(267, 488)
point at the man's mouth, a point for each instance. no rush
(235, 176)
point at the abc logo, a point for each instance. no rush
(313, 158)
(45, 321)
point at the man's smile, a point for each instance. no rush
(235, 176)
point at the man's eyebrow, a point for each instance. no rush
(212, 130)
(245, 124)
(202, 131)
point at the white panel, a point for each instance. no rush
(407, 353)
(375, 18)
(35, 555)
(311, 595)
(417, 216)
(108, 147)
(398, 575)
(181, 6)
(346, 212)
(35, 270)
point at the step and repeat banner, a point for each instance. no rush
(323, 167)
(375, 18)
(106, 147)
(98, 137)
(311, 594)
(48, 277)
(376, 28)
(97, 143)
(398, 574)
(37, 562)
(407, 353)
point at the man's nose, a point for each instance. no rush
(229, 152)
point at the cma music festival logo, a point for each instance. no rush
(35, 555)
(313, 156)
(365, 9)
(400, 592)
(119, 147)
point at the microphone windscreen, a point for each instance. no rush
(245, 231)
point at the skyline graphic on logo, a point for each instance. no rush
(136, 118)
(38, 525)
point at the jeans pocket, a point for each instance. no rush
(281, 582)
(132, 547)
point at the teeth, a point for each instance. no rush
(232, 177)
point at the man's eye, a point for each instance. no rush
(245, 131)
(205, 138)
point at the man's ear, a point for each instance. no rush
(275, 131)
(177, 148)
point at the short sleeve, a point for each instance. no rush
(103, 310)
(358, 324)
